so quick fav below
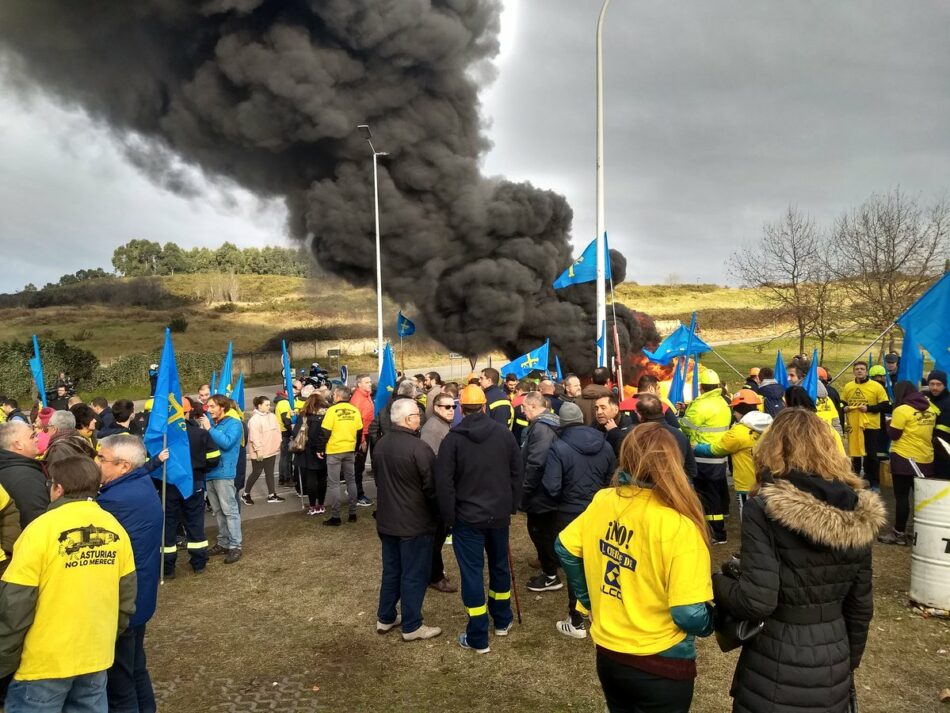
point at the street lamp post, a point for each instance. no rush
(601, 228)
(368, 135)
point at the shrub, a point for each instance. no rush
(15, 377)
(178, 323)
(194, 368)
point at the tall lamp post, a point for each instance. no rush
(368, 135)
(601, 228)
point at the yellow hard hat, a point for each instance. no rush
(472, 395)
(708, 377)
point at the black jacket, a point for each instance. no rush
(405, 491)
(204, 453)
(499, 407)
(751, 384)
(773, 397)
(942, 433)
(316, 442)
(104, 420)
(806, 572)
(534, 454)
(478, 473)
(580, 463)
(25, 482)
(616, 435)
(383, 424)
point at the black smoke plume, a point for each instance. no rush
(267, 94)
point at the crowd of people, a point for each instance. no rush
(623, 492)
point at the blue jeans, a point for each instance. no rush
(78, 694)
(407, 562)
(470, 545)
(223, 499)
(130, 687)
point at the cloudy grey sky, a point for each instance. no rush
(719, 114)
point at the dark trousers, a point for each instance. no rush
(471, 544)
(630, 690)
(265, 466)
(359, 466)
(189, 512)
(543, 529)
(437, 573)
(315, 485)
(406, 564)
(562, 520)
(903, 487)
(129, 687)
(285, 474)
(872, 466)
(713, 493)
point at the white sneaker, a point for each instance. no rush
(382, 628)
(504, 632)
(568, 629)
(463, 642)
(423, 632)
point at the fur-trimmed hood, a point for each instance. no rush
(827, 512)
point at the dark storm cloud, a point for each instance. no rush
(267, 94)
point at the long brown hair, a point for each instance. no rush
(315, 405)
(800, 440)
(650, 455)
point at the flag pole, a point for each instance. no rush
(161, 573)
(865, 350)
(726, 362)
(613, 309)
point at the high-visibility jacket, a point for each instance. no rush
(707, 418)
(282, 411)
(738, 442)
(499, 407)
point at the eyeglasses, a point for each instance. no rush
(109, 460)
(451, 406)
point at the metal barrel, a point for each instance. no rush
(930, 561)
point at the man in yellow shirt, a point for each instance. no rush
(864, 402)
(344, 430)
(72, 573)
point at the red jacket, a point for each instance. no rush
(364, 403)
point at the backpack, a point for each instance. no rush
(298, 444)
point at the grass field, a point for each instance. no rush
(290, 628)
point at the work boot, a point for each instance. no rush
(444, 586)
(232, 556)
(894, 537)
(423, 632)
(217, 550)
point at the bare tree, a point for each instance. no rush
(887, 251)
(784, 264)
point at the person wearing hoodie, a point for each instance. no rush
(805, 572)
(825, 408)
(595, 390)
(739, 441)
(579, 464)
(20, 473)
(263, 445)
(911, 430)
(478, 475)
(226, 428)
(864, 401)
(540, 508)
(497, 402)
(771, 391)
(129, 495)
(940, 397)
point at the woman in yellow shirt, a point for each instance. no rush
(638, 560)
(911, 430)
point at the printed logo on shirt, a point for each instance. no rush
(616, 539)
(85, 546)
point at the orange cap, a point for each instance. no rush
(472, 395)
(822, 373)
(746, 396)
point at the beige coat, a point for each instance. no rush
(263, 436)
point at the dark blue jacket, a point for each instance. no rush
(580, 463)
(133, 501)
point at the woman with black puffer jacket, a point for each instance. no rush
(806, 572)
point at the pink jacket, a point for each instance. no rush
(263, 435)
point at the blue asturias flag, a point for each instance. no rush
(238, 395)
(681, 342)
(584, 268)
(810, 382)
(288, 380)
(387, 380)
(781, 373)
(929, 320)
(676, 386)
(911, 367)
(557, 368)
(36, 367)
(526, 363)
(227, 372)
(166, 425)
(214, 382)
(404, 326)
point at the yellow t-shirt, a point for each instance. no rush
(738, 442)
(343, 421)
(75, 554)
(870, 393)
(916, 441)
(640, 559)
(283, 408)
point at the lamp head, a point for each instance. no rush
(364, 131)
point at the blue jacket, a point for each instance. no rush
(134, 502)
(580, 463)
(226, 434)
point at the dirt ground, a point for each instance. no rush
(291, 628)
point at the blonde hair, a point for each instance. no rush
(650, 454)
(800, 440)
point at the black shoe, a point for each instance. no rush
(274, 498)
(247, 499)
(233, 556)
(333, 522)
(719, 541)
(169, 575)
(203, 570)
(217, 550)
(351, 518)
(544, 583)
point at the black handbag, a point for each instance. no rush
(731, 633)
